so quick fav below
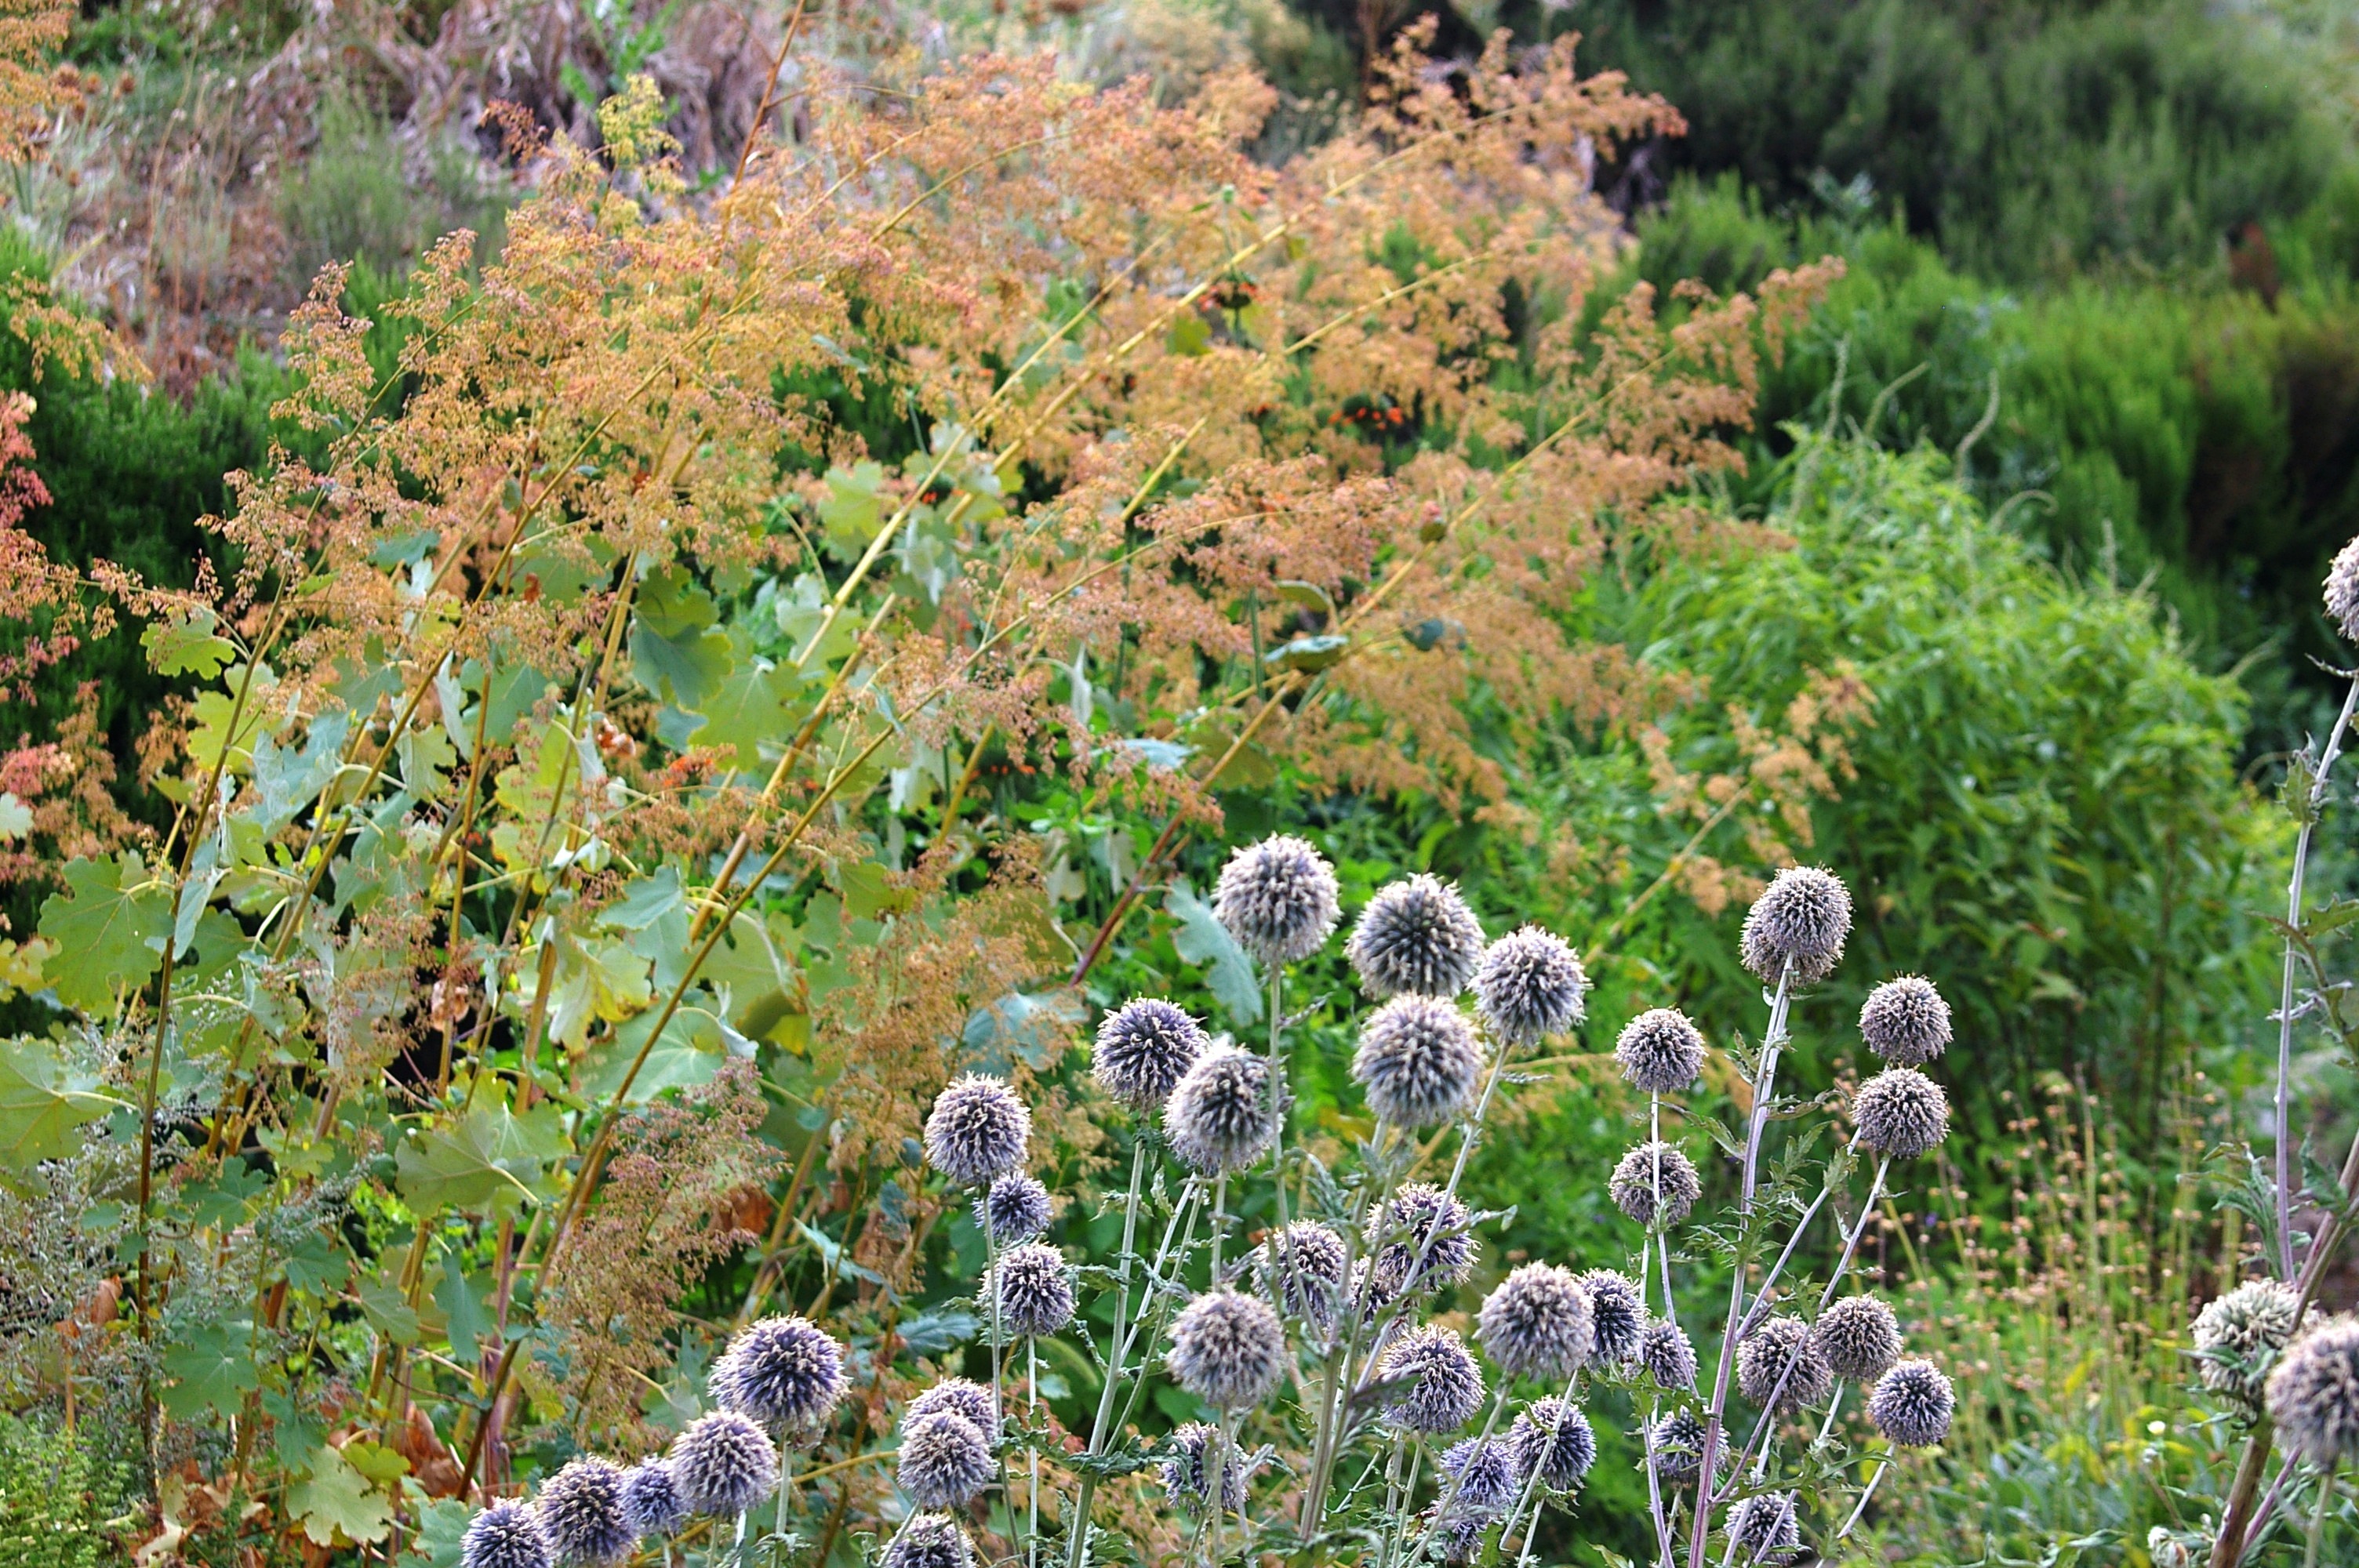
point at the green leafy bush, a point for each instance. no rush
(57, 1504)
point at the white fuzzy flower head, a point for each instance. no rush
(1015, 1209)
(1143, 1049)
(651, 1499)
(1782, 1358)
(1912, 1403)
(1554, 1440)
(2343, 592)
(1860, 1337)
(1617, 1311)
(1655, 1182)
(945, 1460)
(1905, 1022)
(2313, 1395)
(977, 1130)
(785, 1372)
(2165, 1550)
(1033, 1288)
(581, 1510)
(1901, 1112)
(1420, 1235)
(2237, 1337)
(1277, 899)
(1440, 1386)
(1418, 1062)
(723, 1465)
(1666, 1355)
(1186, 1479)
(1537, 1324)
(1228, 1349)
(929, 1541)
(1661, 1051)
(1219, 1119)
(1416, 936)
(1764, 1528)
(1302, 1269)
(1800, 920)
(508, 1535)
(1529, 985)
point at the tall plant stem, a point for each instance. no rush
(2313, 805)
(1077, 1547)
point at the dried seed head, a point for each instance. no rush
(1416, 936)
(1666, 1356)
(2313, 1395)
(1661, 1051)
(1905, 1022)
(1014, 1209)
(723, 1465)
(508, 1535)
(1617, 1310)
(651, 1499)
(1228, 1349)
(1277, 899)
(1302, 1269)
(581, 1510)
(2343, 592)
(1033, 1288)
(1536, 1322)
(1764, 1528)
(1679, 1447)
(960, 1397)
(1552, 1438)
(1186, 1479)
(1219, 1118)
(1418, 1061)
(1143, 1048)
(1655, 1180)
(785, 1372)
(1529, 986)
(2237, 1337)
(945, 1460)
(1859, 1336)
(1912, 1404)
(929, 1541)
(1782, 1350)
(1441, 1384)
(1485, 1469)
(1420, 1235)
(1901, 1112)
(1801, 919)
(977, 1130)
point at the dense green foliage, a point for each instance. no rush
(58, 1501)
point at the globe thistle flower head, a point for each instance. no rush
(1536, 1322)
(945, 1460)
(2343, 592)
(1679, 1447)
(1459, 1538)
(1277, 899)
(1617, 1311)
(1303, 1270)
(1219, 1119)
(1420, 1235)
(1666, 1356)
(651, 1502)
(1782, 1358)
(2166, 1550)
(1798, 923)
(1905, 1022)
(1418, 1061)
(977, 1130)
(1014, 1209)
(1529, 985)
(929, 1541)
(1655, 1182)
(1661, 1051)
(1187, 1481)
(960, 1397)
(1228, 1349)
(722, 1464)
(1416, 937)
(785, 1372)
(1033, 1289)
(1439, 1385)
(1143, 1048)
(508, 1535)
(2313, 1395)
(1912, 1403)
(1901, 1112)
(1860, 1337)
(1550, 1438)
(2238, 1334)
(581, 1510)
(1764, 1528)
(1484, 1471)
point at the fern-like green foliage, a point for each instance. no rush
(57, 1502)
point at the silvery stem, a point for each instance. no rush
(1865, 1493)
(2285, 997)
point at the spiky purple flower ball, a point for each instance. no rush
(1529, 986)
(1617, 1311)
(1666, 1356)
(651, 1499)
(1661, 1051)
(945, 1461)
(507, 1534)
(2313, 1395)
(1143, 1048)
(1485, 1469)
(1912, 1404)
(929, 1541)
(1679, 1447)
(1860, 1337)
(960, 1397)
(1277, 899)
(1553, 1439)
(1033, 1288)
(1781, 1359)
(977, 1130)
(1228, 1349)
(1302, 1267)
(1536, 1322)
(2343, 592)
(785, 1372)
(1418, 1061)
(1905, 1022)
(1219, 1119)
(1800, 920)
(722, 1464)
(1764, 1527)
(1655, 1180)
(1901, 1112)
(1420, 1234)
(1187, 1481)
(1416, 936)
(581, 1510)
(1014, 1209)
(1441, 1386)
(2238, 1334)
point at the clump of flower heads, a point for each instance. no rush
(1550, 1438)
(1418, 1062)
(651, 1500)
(1764, 1527)
(1033, 1289)
(1617, 1312)
(1219, 1119)
(1860, 1337)
(2313, 1395)
(1538, 1322)
(785, 1372)
(1302, 1268)
(1015, 1209)
(1661, 1051)
(1228, 1349)
(1483, 1471)
(960, 1397)
(1416, 936)
(1912, 1403)
(2343, 592)
(1905, 1022)
(1144, 1048)
(945, 1460)
(581, 1510)
(722, 1464)
(1655, 1182)
(1666, 1355)
(2238, 1334)
(1277, 899)
(1441, 1386)
(1783, 1351)
(929, 1541)
(1796, 926)
(507, 1534)
(1529, 986)
(1423, 1241)
(1901, 1112)
(1186, 1480)
(977, 1130)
